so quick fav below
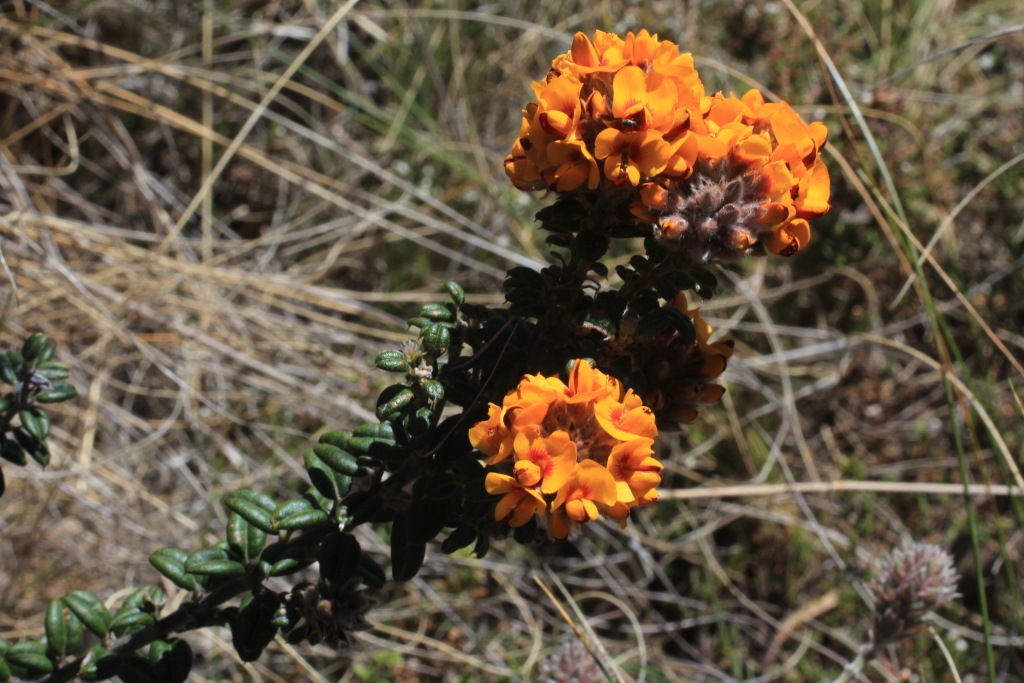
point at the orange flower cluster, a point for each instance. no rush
(572, 451)
(634, 111)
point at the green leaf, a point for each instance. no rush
(336, 439)
(456, 292)
(288, 565)
(321, 476)
(13, 452)
(98, 664)
(171, 563)
(172, 660)
(436, 339)
(5, 671)
(483, 544)
(303, 520)
(252, 628)
(31, 656)
(393, 400)
(37, 449)
(250, 511)
(260, 499)
(42, 420)
(290, 508)
(61, 391)
(216, 568)
(392, 360)
(682, 324)
(52, 371)
(146, 598)
(7, 371)
(336, 459)
(244, 538)
(338, 556)
(33, 346)
(437, 313)
(382, 430)
(706, 279)
(654, 323)
(406, 556)
(64, 631)
(434, 391)
(131, 621)
(46, 355)
(136, 669)
(217, 552)
(458, 539)
(89, 610)
(31, 424)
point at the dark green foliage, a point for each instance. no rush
(252, 626)
(245, 539)
(339, 559)
(406, 554)
(172, 660)
(29, 659)
(251, 511)
(171, 563)
(99, 665)
(31, 375)
(64, 631)
(89, 610)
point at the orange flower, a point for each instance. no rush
(559, 110)
(627, 155)
(588, 384)
(490, 436)
(572, 165)
(548, 462)
(626, 420)
(519, 503)
(641, 101)
(579, 499)
(634, 470)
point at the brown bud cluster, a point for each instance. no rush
(333, 615)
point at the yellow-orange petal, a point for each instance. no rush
(712, 147)
(583, 52)
(819, 133)
(775, 213)
(588, 384)
(625, 423)
(789, 239)
(779, 179)
(814, 189)
(559, 526)
(498, 483)
(596, 482)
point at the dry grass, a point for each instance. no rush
(218, 310)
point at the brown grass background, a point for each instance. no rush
(219, 313)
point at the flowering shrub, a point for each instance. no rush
(547, 410)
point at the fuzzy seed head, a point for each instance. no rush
(907, 584)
